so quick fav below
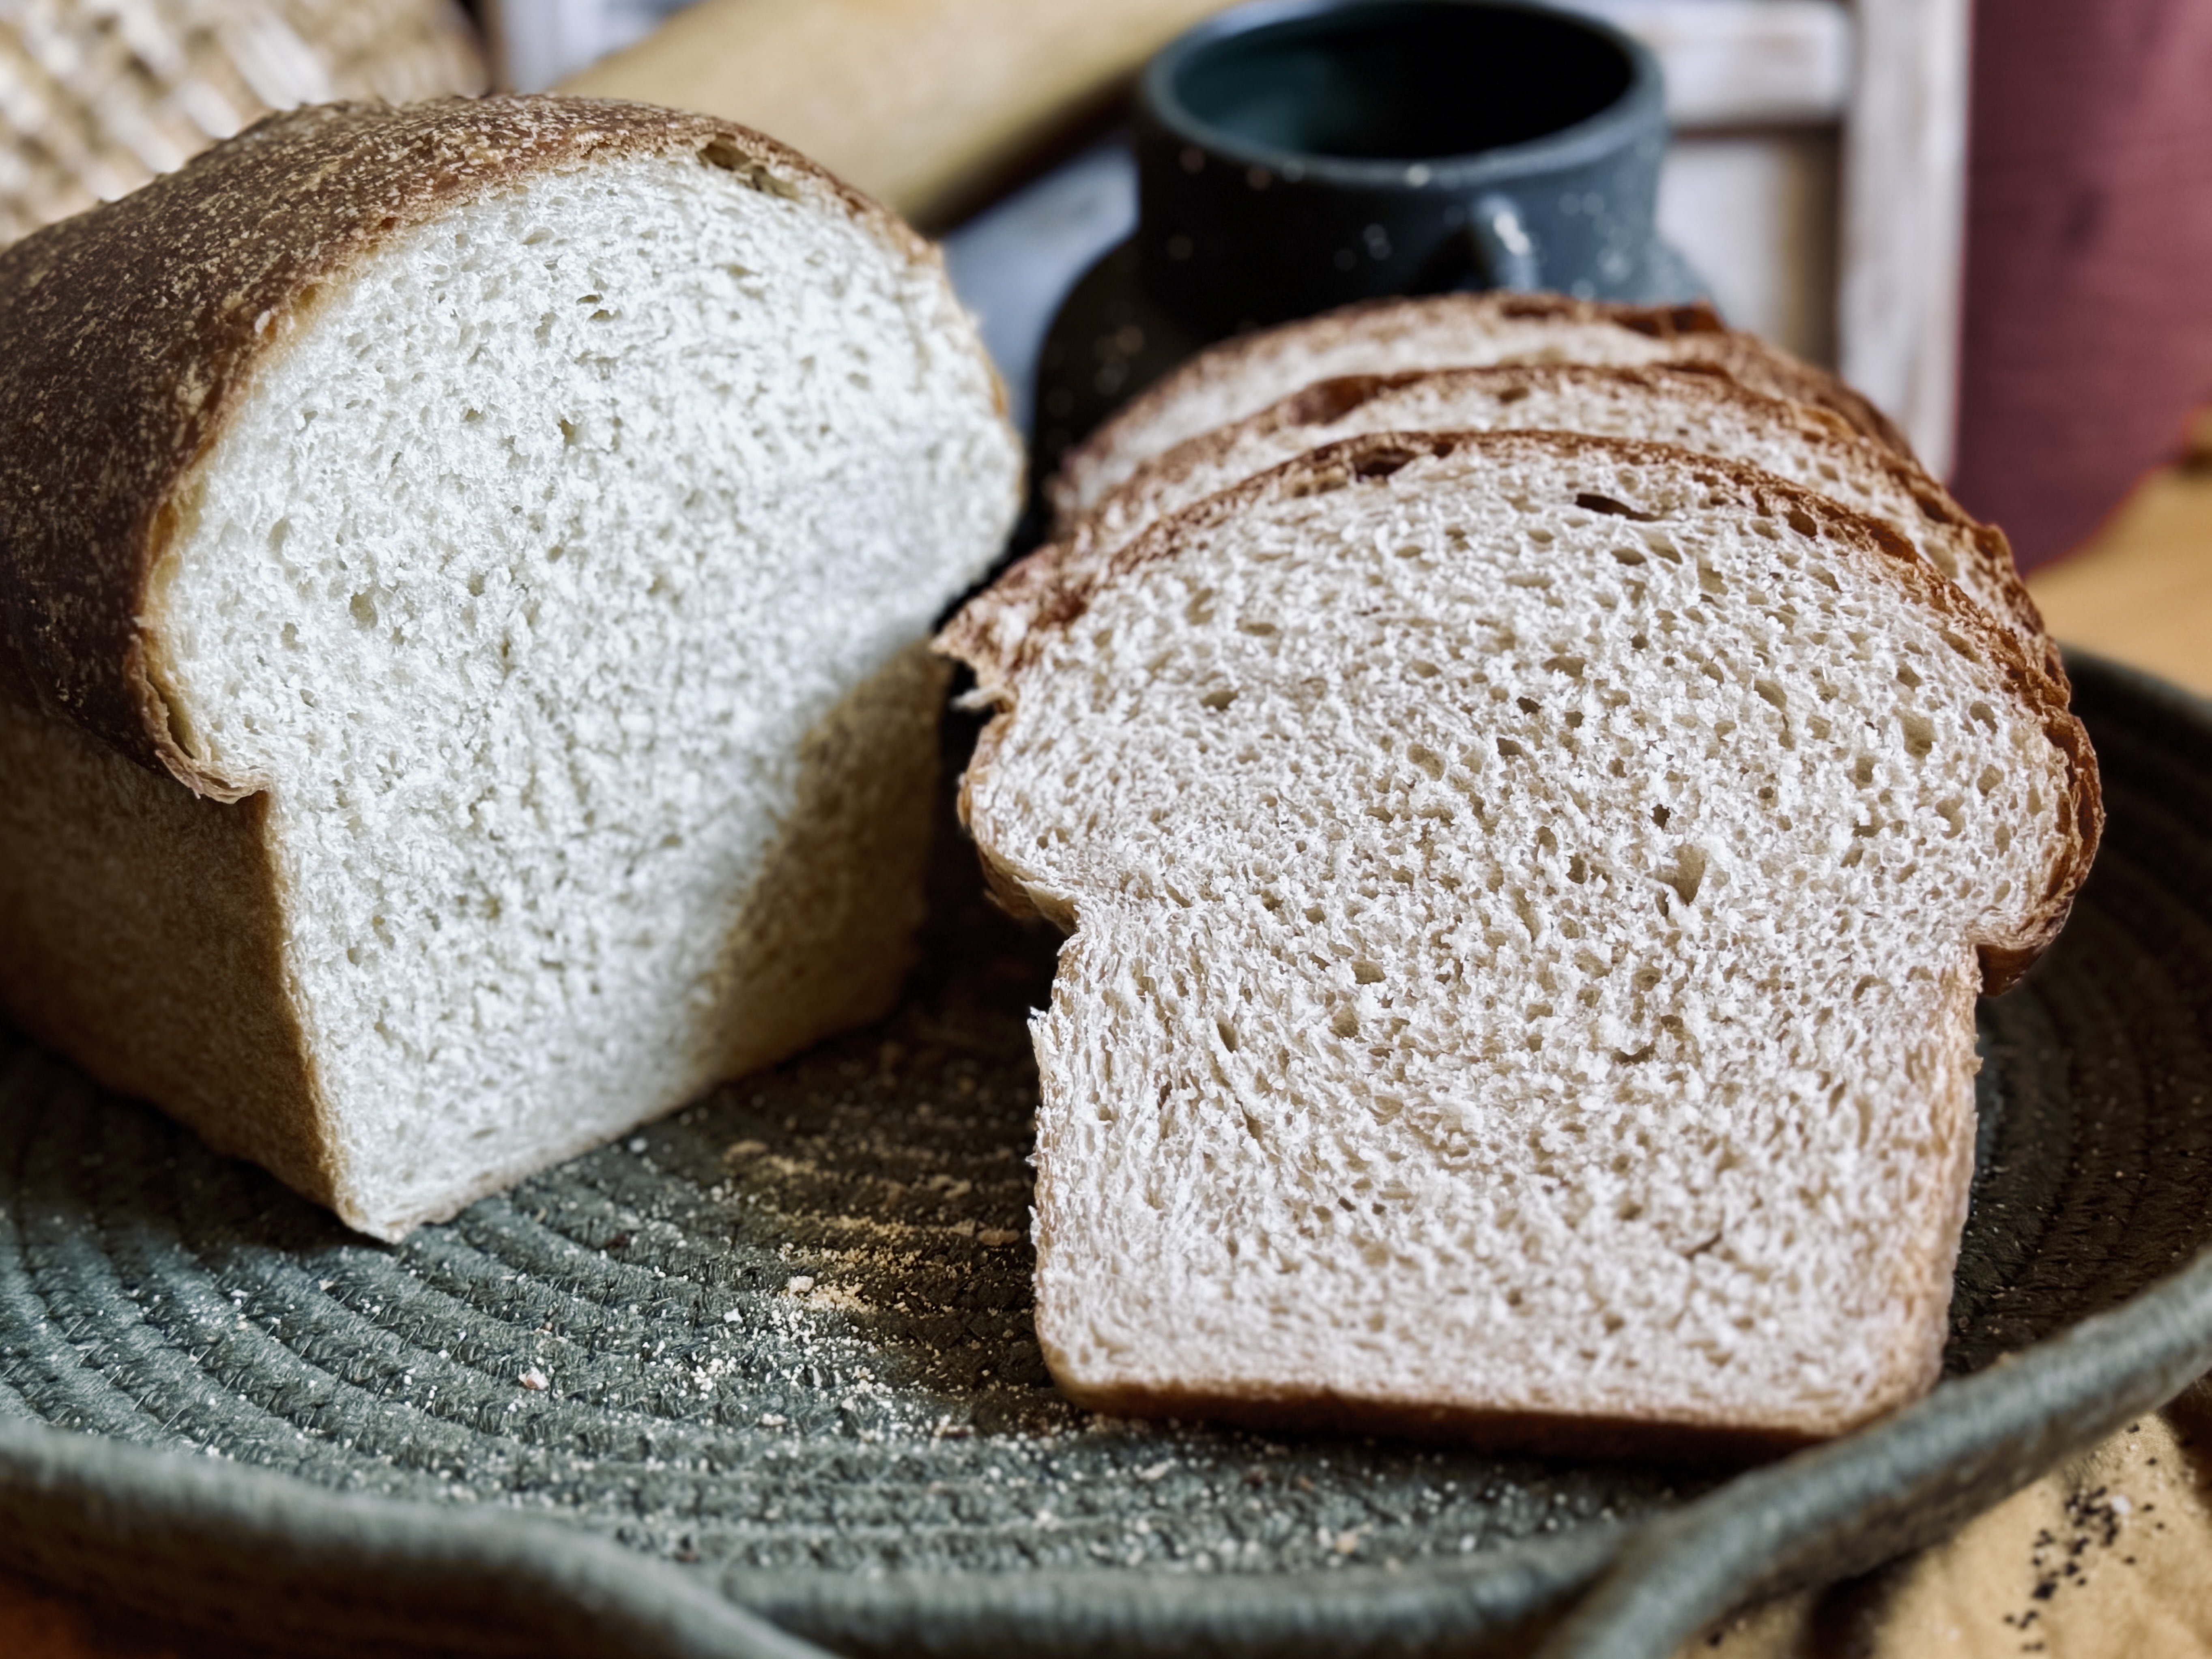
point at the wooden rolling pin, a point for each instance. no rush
(930, 106)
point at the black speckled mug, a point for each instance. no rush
(1298, 155)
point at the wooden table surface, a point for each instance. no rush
(931, 106)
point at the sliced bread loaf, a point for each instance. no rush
(1529, 896)
(1242, 376)
(464, 575)
(1692, 410)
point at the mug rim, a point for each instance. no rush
(1644, 99)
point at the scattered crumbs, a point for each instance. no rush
(2093, 1522)
(534, 1380)
(637, 1143)
(1156, 1470)
(997, 1237)
(800, 1284)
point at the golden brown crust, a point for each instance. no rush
(1035, 592)
(1752, 362)
(1701, 339)
(128, 336)
(999, 656)
(130, 908)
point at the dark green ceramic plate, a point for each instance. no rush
(775, 1354)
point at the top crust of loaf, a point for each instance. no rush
(130, 335)
(1000, 658)
(1704, 338)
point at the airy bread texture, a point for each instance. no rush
(1692, 410)
(1242, 376)
(535, 637)
(1528, 893)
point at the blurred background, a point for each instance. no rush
(1994, 217)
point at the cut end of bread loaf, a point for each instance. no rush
(558, 570)
(1527, 895)
(130, 333)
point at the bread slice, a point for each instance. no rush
(1528, 893)
(1242, 376)
(1692, 410)
(465, 572)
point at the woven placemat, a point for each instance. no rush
(779, 1344)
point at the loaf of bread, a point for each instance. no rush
(1528, 894)
(464, 575)
(1692, 410)
(1452, 330)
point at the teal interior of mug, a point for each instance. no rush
(1403, 82)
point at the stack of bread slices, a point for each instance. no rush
(1535, 789)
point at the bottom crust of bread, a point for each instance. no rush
(1536, 1433)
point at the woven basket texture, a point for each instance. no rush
(98, 97)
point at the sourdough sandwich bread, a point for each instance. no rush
(1528, 893)
(1692, 410)
(1453, 331)
(462, 575)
